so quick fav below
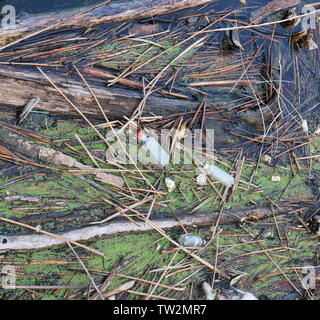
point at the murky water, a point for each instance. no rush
(36, 6)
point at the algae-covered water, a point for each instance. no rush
(268, 256)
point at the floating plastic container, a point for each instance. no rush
(217, 173)
(190, 240)
(160, 156)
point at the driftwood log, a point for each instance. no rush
(18, 86)
(40, 241)
(116, 11)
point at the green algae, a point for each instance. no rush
(261, 275)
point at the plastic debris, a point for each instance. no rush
(208, 291)
(305, 126)
(202, 179)
(217, 173)
(276, 179)
(152, 145)
(267, 158)
(170, 184)
(190, 240)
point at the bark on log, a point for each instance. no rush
(54, 157)
(40, 241)
(111, 12)
(18, 86)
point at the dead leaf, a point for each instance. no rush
(145, 29)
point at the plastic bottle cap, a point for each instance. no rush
(139, 133)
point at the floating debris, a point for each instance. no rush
(303, 39)
(170, 184)
(231, 40)
(190, 240)
(157, 83)
(275, 178)
(267, 158)
(201, 179)
(56, 157)
(289, 14)
(305, 126)
(192, 20)
(217, 173)
(144, 29)
(208, 291)
(27, 109)
(152, 145)
(25, 198)
(182, 131)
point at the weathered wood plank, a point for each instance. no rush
(18, 86)
(116, 11)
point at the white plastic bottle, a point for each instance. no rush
(152, 145)
(191, 240)
(217, 173)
